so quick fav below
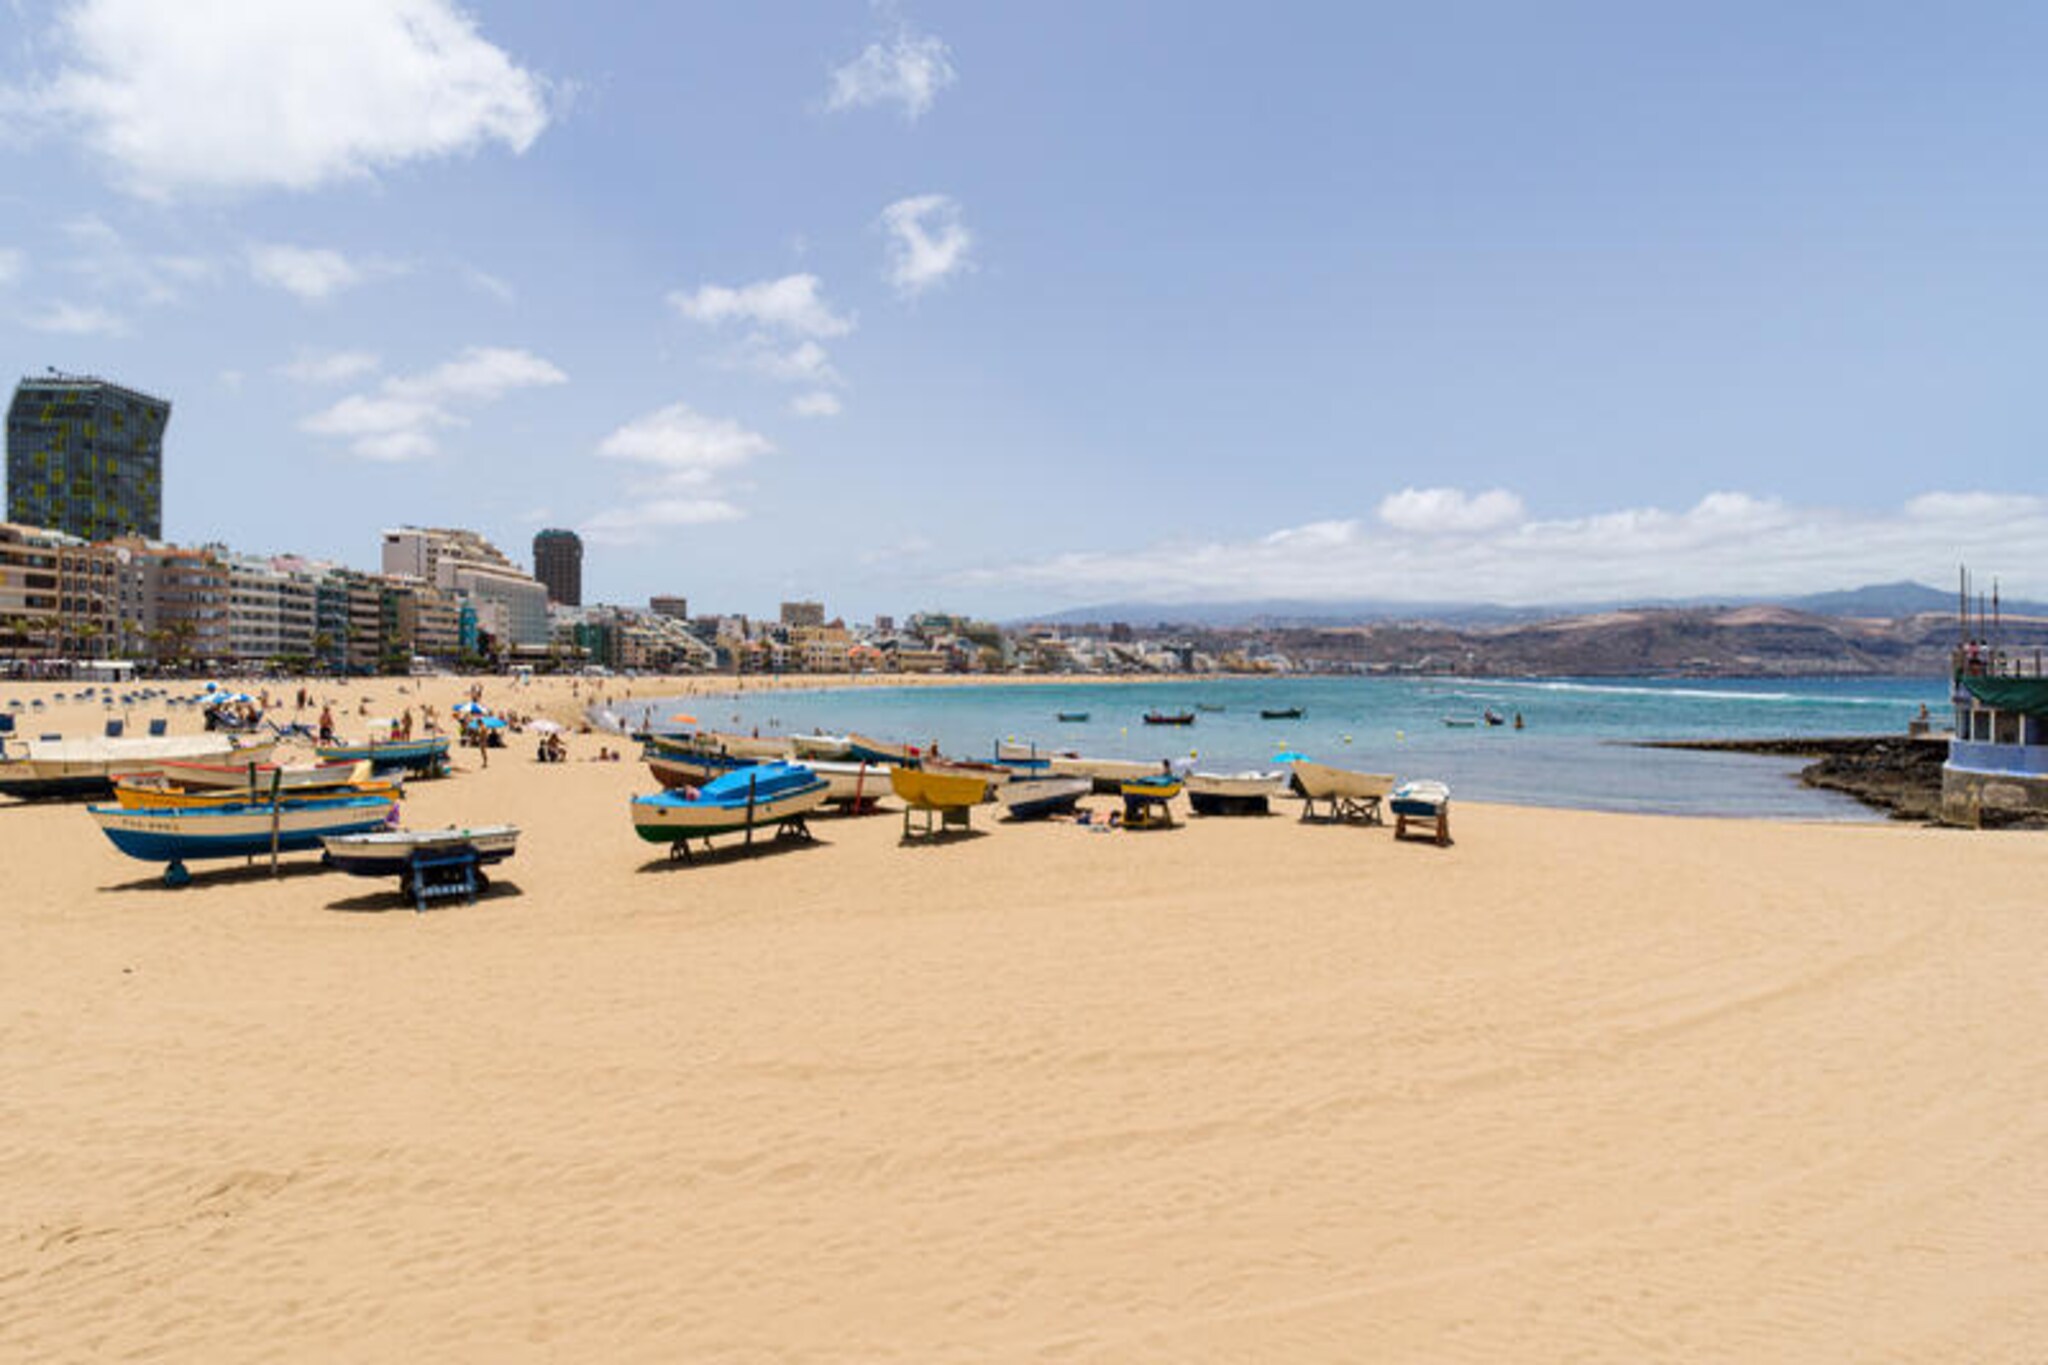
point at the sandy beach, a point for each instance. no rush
(1579, 1087)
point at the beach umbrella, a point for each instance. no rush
(1290, 756)
(545, 727)
(679, 718)
(491, 723)
(470, 708)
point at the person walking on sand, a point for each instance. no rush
(326, 725)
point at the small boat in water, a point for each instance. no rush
(1071, 717)
(1234, 793)
(1493, 717)
(1281, 713)
(1461, 722)
(1169, 718)
(763, 796)
(1038, 797)
(246, 829)
(1210, 706)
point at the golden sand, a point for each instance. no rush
(1579, 1087)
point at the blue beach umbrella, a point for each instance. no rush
(1290, 756)
(470, 708)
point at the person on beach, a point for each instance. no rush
(326, 725)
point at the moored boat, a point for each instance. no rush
(1071, 717)
(1280, 713)
(1169, 718)
(87, 767)
(174, 836)
(765, 795)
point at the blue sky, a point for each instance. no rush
(1011, 308)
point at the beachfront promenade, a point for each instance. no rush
(1579, 1086)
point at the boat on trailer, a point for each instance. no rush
(1248, 793)
(773, 796)
(857, 786)
(195, 777)
(1346, 795)
(1039, 797)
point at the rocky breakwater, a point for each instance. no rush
(1892, 773)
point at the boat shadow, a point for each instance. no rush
(392, 901)
(203, 877)
(719, 854)
(941, 836)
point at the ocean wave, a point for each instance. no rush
(1698, 694)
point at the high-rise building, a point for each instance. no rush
(511, 606)
(86, 457)
(59, 597)
(676, 608)
(558, 564)
(803, 613)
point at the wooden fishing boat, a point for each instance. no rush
(1148, 801)
(193, 777)
(1280, 713)
(1210, 706)
(245, 829)
(1461, 722)
(1071, 717)
(860, 747)
(392, 852)
(420, 757)
(857, 786)
(1346, 795)
(146, 794)
(1234, 793)
(1169, 718)
(946, 798)
(1038, 797)
(996, 774)
(59, 768)
(757, 748)
(762, 796)
(690, 768)
(827, 747)
(1423, 802)
(1108, 774)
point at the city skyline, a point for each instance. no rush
(921, 306)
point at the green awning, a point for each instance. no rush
(2029, 695)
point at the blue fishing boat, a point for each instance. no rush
(766, 795)
(420, 757)
(177, 835)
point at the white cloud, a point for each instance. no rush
(12, 264)
(928, 242)
(817, 403)
(77, 319)
(105, 262)
(805, 363)
(793, 305)
(1461, 548)
(312, 273)
(486, 283)
(330, 367)
(683, 445)
(682, 453)
(909, 69)
(1427, 510)
(213, 95)
(636, 523)
(398, 421)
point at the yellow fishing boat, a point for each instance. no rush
(143, 794)
(944, 799)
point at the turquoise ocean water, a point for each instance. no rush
(1574, 752)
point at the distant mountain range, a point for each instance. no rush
(1881, 601)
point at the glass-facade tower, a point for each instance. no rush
(86, 457)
